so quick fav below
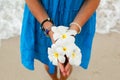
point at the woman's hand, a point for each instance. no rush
(65, 68)
(60, 65)
(68, 69)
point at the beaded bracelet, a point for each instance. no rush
(74, 23)
(46, 31)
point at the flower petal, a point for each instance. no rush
(77, 61)
(70, 39)
(61, 59)
(54, 29)
(55, 62)
(71, 32)
(59, 42)
(54, 46)
(50, 58)
(66, 41)
(71, 61)
(60, 51)
(50, 51)
(56, 36)
(62, 29)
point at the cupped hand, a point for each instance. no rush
(65, 68)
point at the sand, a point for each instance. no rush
(104, 64)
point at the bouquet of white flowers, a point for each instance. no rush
(64, 46)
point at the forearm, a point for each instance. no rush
(38, 11)
(88, 8)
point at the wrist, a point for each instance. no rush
(48, 21)
(46, 26)
(75, 26)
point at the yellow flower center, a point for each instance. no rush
(73, 55)
(64, 36)
(56, 55)
(64, 49)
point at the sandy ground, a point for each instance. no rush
(104, 65)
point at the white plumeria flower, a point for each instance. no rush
(54, 56)
(62, 33)
(64, 47)
(75, 56)
(58, 31)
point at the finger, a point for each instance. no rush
(62, 69)
(67, 67)
(61, 66)
(69, 71)
(62, 74)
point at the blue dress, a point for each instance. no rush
(34, 43)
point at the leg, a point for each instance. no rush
(53, 76)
